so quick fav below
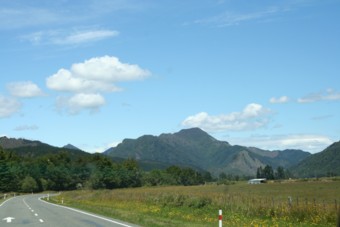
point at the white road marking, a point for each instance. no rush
(8, 219)
(5, 201)
(85, 213)
(32, 210)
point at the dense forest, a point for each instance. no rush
(64, 171)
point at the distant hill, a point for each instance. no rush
(29, 148)
(71, 147)
(325, 163)
(9, 143)
(196, 148)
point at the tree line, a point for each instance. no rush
(270, 174)
(62, 171)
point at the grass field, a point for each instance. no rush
(288, 203)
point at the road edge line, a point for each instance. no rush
(6, 201)
(86, 213)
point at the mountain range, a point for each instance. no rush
(196, 149)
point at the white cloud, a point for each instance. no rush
(89, 79)
(81, 101)
(86, 36)
(307, 142)
(25, 89)
(96, 75)
(22, 14)
(262, 12)
(100, 149)
(282, 99)
(12, 18)
(26, 128)
(63, 37)
(253, 116)
(329, 95)
(87, 100)
(8, 106)
(108, 69)
(64, 80)
(231, 18)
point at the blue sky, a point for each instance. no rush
(93, 72)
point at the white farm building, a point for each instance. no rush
(257, 181)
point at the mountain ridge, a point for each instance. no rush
(324, 163)
(196, 147)
(9, 143)
(35, 148)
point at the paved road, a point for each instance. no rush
(30, 210)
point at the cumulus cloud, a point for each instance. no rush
(253, 116)
(89, 79)
(65, 80)
(8, 106)
(96, 74)
(282, 99)
(307, 142)
(25, 89)
(108, 69)
(81, 101)
(329, 94)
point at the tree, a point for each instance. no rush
(6, 176)
(133, 173)
(175, 173)
(259, 172)
(280, 173)
(207, 177)
(268, 172)
(29, 184)
(222, 176)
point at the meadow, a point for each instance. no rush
(285, 203)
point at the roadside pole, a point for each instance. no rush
(220, 218)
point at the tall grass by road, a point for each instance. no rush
(289, 203)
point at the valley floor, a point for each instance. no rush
(286, 203)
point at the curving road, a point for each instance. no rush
(30, 210)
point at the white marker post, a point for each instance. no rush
(220, 218)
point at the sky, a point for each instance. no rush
(94, 72)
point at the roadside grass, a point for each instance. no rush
(287, 203)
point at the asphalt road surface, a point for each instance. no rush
(30, 210)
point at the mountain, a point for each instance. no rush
(29, 148)
(9, 143)
(71, 147)
(325, 163)
(196, 148)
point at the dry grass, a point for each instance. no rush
(311, 204)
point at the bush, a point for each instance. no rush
(29, 184)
